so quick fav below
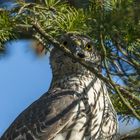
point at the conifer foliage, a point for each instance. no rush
(114, 26)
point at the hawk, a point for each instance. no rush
(77, 105)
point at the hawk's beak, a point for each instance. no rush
(79, 52)
(81, 55)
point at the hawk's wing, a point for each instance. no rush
(44, 118)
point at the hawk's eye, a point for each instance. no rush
(88, 47)
(65, 43)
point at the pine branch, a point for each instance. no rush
(85, 64)
(132, 135)
(54, 19)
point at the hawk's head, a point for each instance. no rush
(81, 46)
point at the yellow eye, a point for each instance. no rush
(65, 43)
(88, 47)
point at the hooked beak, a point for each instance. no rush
(81, 55)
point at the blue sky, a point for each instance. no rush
(23, 79)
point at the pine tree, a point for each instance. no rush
(114, 25)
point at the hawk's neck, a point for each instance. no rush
(76, 81)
